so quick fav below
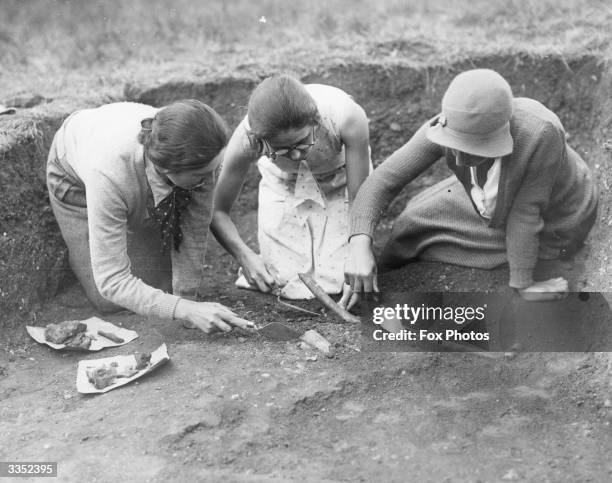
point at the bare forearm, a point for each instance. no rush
(226, 233)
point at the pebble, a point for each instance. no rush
(511, 475)
(265, 375)
(233, 397)
(311, 359)
(242, 340)
(607, 403)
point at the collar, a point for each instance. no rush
(158, 185)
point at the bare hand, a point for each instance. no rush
(553, 289)
(256, 273)
(360, 268)
(349, 298)
(210, 316)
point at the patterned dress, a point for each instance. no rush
(303, 206)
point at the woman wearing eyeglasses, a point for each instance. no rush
(118, 177)
(311, 145)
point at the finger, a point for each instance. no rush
(223, 308)
(273, 273)
(222, 325)
(262, 285)
(375, 282)
(352, 281)
(353, 301)
(268, 279)
(346, 296)
(347, 278)
(206, 328)
(358, 287)
(368, 284)
(240, 322)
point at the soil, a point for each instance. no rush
(241, 408)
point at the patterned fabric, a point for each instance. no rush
(303, 206)
(168, 215)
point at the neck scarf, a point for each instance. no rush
(168, 214)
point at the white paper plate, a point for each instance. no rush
(158, 357)
(94, 324)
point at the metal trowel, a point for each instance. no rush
(277, 331)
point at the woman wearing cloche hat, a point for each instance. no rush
(518, 193)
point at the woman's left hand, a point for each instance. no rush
(552, 289)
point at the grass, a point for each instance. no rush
(51, 46)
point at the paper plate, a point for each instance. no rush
(94, 324)
(158, 357)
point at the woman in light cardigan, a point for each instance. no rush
(120, 174)
(518, 193)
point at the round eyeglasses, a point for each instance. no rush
(297, 152)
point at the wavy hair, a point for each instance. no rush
(184, 135)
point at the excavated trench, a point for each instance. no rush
(397, 98)
(272, 411)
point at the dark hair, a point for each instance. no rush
(183, 135)
(278, 103)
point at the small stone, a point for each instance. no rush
(233, 397)
(311, 359)
(395, 127)
(265, 375)
(511, 475)
(242, 340)
(607, 403)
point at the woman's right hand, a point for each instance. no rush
(256, 273)
(210, 316)
(360, 266)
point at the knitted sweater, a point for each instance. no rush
(546, 191)
(98, 149)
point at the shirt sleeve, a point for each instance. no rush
(385, 183)
(188, 262)
(107, 219)
(525, 221)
